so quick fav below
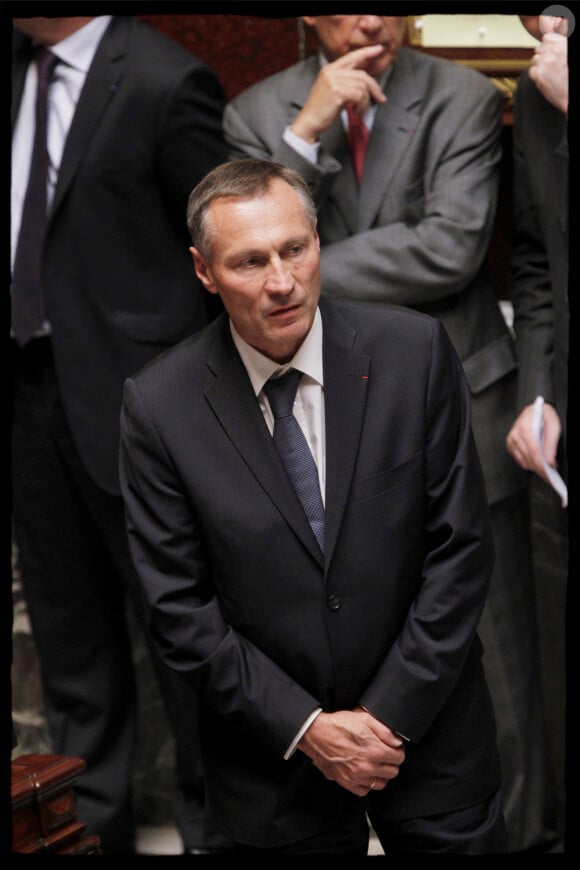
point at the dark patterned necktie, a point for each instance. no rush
(358, 138)
(27, 300)
(294, 450)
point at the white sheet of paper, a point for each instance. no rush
(555, 479)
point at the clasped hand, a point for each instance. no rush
(354, 749)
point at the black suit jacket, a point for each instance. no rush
(119, 281)
(245, 607)
(540, 255)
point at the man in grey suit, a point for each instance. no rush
(415, 232)
(338, 660)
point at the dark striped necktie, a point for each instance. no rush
(28, 309)
(294, 450)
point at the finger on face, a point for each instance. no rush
(359, 57)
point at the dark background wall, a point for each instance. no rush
(242, 49)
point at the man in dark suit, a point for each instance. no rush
(134, 121)
(542, 323)
(415, 231)
(540, 257)
(337, 678)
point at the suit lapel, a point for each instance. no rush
(345, 189)
(302, 81)
(100, 86)
(233, 402)
(393, 130)
(391, 135)
(345, 392)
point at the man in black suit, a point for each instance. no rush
(542, 325)
(414, 231)
(540, 257)
(339, 674)
(134, 122)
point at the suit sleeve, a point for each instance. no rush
(423, 666)
(245, 116)
(190, 139)
(531, 289)
(185, 619)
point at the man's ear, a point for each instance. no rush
(202, 270)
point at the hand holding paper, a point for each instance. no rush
(554, 478)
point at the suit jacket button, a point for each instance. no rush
(334, 602)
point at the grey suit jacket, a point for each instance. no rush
(417, 231)
(243, 604)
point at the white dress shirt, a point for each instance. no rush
(75, 54)
(309, 402)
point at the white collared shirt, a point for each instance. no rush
(309, 403)
(76, 53)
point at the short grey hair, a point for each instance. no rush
(246, 178)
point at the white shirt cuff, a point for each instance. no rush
(290, 751)
(305, 149)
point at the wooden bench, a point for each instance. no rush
(44, 817)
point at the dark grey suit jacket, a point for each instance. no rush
(119, 280)
(243, 604)
(541, 255)
(417, 231)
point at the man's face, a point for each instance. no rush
(265, 267)
(48, 31)
(339, 34)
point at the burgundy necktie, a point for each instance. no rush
(27, 302)
(358, 138)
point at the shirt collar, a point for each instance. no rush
(307, 359)
(78, 49)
